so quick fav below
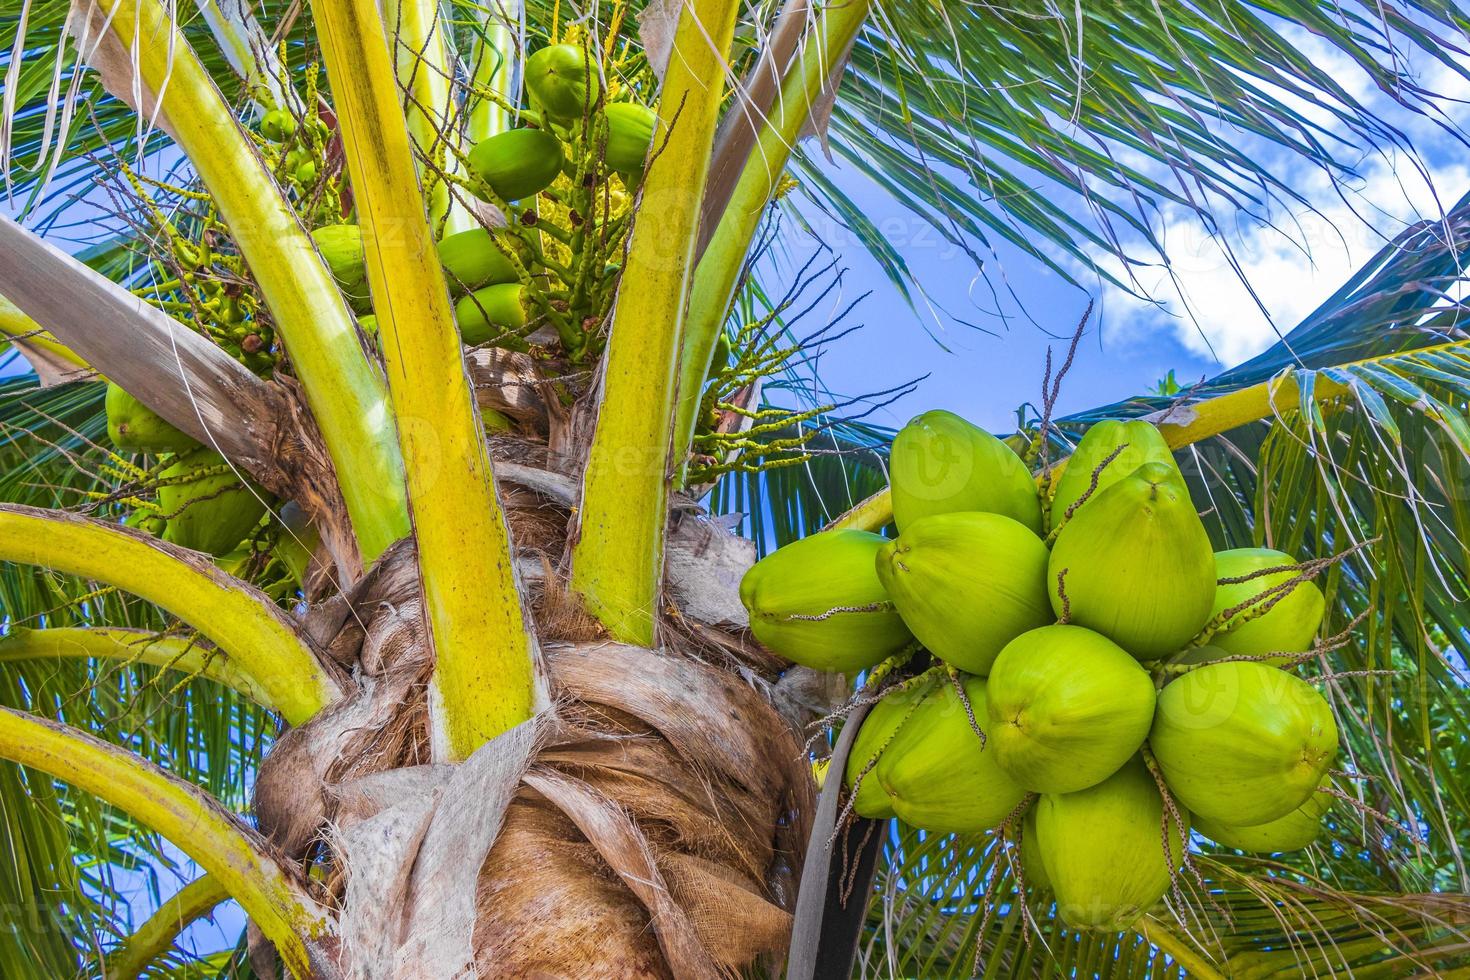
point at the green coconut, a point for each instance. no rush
(878, 727)
(519, 163)
(1103, 849)
(135, 427)
(1143, 442)
(474, 258)
(1069, 706)
(563, 81)
(1287, 627)
(629, 134)
(341, 248)
(206, 505)
(1243, 743)
(490, 312)
(967, 584)
(941, 464)
(1139, 567)
(278, 125)
(819, 603)
(935, 772)
(1033, 866)
(1292, 832)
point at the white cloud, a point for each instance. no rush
(1286, 266)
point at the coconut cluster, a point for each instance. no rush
(568, 130)
(1104, 682)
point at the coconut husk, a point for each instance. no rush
(647, 825)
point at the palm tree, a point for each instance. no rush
(474, 665)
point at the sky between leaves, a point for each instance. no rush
(996, 325)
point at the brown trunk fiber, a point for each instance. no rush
(654, 830)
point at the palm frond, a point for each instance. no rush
(1068, 130)
(78, 859)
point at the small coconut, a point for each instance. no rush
(941, 464)
(818, 602)
(1292, 832)
(935, 771)
(1139, 567)
(563, 80)
(884, 719)
(206, 505)
(135, 427)
(1033, 866)
(967, 584)
(1292, 620)
(342, 249)
(1103, 849)
(1142, 444)
(1243, 743)
(1068, 707)
(518, 163)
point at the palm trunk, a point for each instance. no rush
(663, 803)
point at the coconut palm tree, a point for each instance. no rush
(416, 638)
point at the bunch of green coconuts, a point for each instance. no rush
(491, 272)
(1101, 673)
(203, 503)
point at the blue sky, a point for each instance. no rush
(1199, 327)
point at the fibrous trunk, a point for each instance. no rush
(649, 823)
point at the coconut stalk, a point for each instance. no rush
(27, 333)
(425, 73)
(236, 856)
(617, 562)
(492, 69)
(154, 937)
(344, 391)
(241, 621)
(484, 647)
(718, 271)
(185, 654)
(173, 370)
(747, 114)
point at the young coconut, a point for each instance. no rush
(341, 248)
(967, 584)
(1069, 706)
(519, 163)
(883, 720)
(474, 258)
(629, 135)
(1138, 563)
(818, 602)
(1292, 832)
(135, 427)
(490, 312)
(206, 505)
(1292, 620)
(1033, 866)
(1142, 442)
(935, 772)
(1242, 743)
(563, 81)
(940, 464)
(1103, 851)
